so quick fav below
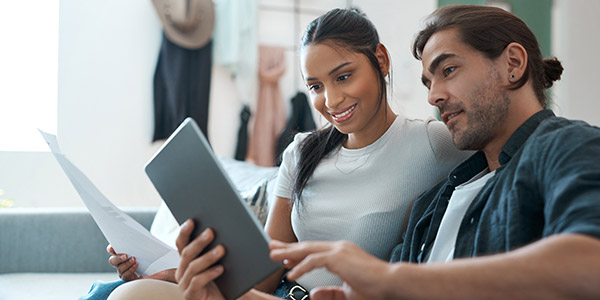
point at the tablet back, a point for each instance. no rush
(192, 183)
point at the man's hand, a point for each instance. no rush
(361, 272)
(195, 274)
(126, 267)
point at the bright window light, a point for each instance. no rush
(28, 73)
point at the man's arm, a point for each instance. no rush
(563, 266)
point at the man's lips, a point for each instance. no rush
(446, 117)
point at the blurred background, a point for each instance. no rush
(85, 69)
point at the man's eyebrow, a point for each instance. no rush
(438, 60)
(332, 71)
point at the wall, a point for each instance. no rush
(576, 43)
(107, 55)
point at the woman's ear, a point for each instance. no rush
(516, 59)
(383, 58)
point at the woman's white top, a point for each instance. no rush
(365, 195)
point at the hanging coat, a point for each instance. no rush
(301, 120)
(181, 87)
(270, 116)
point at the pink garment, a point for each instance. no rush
(270, 115)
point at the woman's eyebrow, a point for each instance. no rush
(332, 70)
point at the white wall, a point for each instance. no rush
(575, 42)
(107, 56)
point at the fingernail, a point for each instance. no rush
(123, 256)
(204, 234)
(218, 269)
(186, 224)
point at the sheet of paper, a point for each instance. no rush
(124, 233)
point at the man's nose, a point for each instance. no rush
(437, 93)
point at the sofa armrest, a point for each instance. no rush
(56, 239)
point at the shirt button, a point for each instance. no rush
(472, 220)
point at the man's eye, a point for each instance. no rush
(343, 77)
(449, 70)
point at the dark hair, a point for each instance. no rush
(350, 29)
(490, 30)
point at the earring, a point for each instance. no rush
(512, 76)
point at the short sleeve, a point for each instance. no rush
(570, 175)
(285, 178)
(443, 146)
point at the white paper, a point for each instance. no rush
(124, 233)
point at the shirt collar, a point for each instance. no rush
(521, 135)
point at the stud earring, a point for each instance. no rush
(512, 76)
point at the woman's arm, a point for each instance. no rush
(278, 227)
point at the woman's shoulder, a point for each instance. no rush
(433, 129)
(438, 137)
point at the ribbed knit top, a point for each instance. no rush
(365, 195)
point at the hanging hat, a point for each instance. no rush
(187, 23)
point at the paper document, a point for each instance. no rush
(124, 233)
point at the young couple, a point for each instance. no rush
(520, 218)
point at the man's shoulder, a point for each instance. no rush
(562, 130)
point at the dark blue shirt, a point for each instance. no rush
(548, 183)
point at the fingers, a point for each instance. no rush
(190, 259)
(199, 273)
(311, 262)
(165, 275)
(328, 293)
(110, 250)
(115, 260)
(126, 267)
(292, 253)
(127, 272)
(184, 235)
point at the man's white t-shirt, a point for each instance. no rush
(463, 195)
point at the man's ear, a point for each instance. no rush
(516, 59)
(381, 54)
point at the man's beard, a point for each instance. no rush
(486, 115)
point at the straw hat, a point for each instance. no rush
(187, 23)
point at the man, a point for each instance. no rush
(520, 219)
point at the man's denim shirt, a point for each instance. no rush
(548, 183)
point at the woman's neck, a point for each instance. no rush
(373, 132)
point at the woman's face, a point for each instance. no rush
(343, 87)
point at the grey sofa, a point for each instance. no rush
(54, 253)
(57, 253)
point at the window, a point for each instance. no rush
(28, 73)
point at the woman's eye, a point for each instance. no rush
(449, 70)
(313, 87)
(343, 77)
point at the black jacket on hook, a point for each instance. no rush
(301, 120)
(181, 87)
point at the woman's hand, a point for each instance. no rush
(361, 272)
(126, 267)
(195, 274)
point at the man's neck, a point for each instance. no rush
(520, 110)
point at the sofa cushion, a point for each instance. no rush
(49, 286)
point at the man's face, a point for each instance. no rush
(467, 89)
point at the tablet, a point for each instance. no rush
(189, 178)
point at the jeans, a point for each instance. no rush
(100, 290)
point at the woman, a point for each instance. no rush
(353, 180)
